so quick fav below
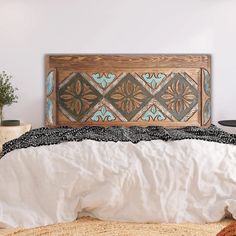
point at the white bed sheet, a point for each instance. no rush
(154, 181)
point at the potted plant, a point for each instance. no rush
(7, 92)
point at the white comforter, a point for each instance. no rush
(156, 181)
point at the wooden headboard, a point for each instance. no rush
(142, 90)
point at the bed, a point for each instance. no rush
(128, 138)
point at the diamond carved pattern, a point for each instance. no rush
(77, 97)
(128, 96)
(178, 96)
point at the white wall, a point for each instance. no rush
(31, 28)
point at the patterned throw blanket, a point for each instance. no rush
(47, 136)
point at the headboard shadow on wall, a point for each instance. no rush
(142, 90)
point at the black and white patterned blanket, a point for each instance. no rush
(47, 136)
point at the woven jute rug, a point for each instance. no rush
(91, 227)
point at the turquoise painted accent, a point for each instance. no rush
(153, 113)
(50, 111)
(154, 80)
(207, 111)
(50, 82)
(103, 80)
(207, 83)
(104, 114)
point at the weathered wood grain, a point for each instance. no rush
(183, 74)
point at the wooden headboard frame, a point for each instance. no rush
(126, 90)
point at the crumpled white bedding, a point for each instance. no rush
(154, 181)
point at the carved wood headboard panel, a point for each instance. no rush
(106, 90)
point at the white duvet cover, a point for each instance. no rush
(154, 181)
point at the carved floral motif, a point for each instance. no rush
(74, 101)
(128, 96)
(77, 96)
(178, 96)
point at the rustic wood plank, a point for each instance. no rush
(127, 124)
(130, 61)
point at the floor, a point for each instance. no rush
(4, 232)
(93, 227)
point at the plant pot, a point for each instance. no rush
(10, 122)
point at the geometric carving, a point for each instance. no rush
(77, 97)
(128, 96)
(103, 79)
(50, 82)
(50, 99)
(206, 101)
(153, 80)
(207, 111)
(178, 96)
(103, 114)
(50, 111)
(169, 90)
(153, 113)
(207, 82)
